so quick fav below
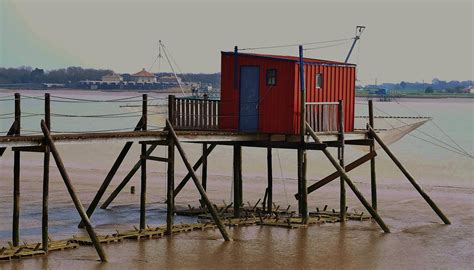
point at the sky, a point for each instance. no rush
(415, 40)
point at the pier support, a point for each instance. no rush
(16, 176)
(342, 203)
(198, 185)
(204, 168)
(72, 192)
(343, 174)
(238, 196)
(409, 177)
(373, 179)
(269, 192)
(170, 187)
(45, 212)
(143, 167)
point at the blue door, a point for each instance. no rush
(249, 86)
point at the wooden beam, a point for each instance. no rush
(170, 187)
(72, 192)
(201, 190)
(10, 132)
(160, 159)
(33, 149)
(237, 173)
(276, 144)
(373, 178)
(326, 180)
(269, 193)
(46, 159)
(409, 177)
(342, 201)
(204, 168)
(143, 166)
(16, 176)
(359, 195)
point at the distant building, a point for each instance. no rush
(144, 76)
(169, 79)
(114, 77)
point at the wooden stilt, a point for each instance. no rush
(359, 195)
(201, 190)
(204, 167)
(196, 166)
(143, 167)
(409, 177)
(238, 198)
(373, 179)
(72, 192)
(16, 176)
(45, 213)
(342, 203)
(110, 175)
(170, 187)
(269, 193)
(303, 192)
(127, 179)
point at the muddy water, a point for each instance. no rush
(418, 239)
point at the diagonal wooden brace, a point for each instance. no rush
(326, 180)
(201, 190)
(72, 192)
(346, 178)
(409, 177)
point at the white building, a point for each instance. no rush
(112, 78)
(144, 77)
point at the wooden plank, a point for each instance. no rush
(160, 159)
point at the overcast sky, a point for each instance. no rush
(405, 40)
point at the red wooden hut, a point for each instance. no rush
(261, 93)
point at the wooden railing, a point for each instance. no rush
(323, 116)
(193, 114)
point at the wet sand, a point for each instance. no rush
(418, 239)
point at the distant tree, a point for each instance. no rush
(429, 89)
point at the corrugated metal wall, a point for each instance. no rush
(279, 105)
(338, 83)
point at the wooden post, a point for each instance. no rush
(16, 176)
(373, 179)
(72, 192)
(342, 204)
(359, 195)
(110, 175)
(45, 215)
(172, 109)
(270, 180)
(201, 190)
(143, 167)
(238, 199)
(126, 179)
(409, 177)
(204, 168)
(302, 157)
(170, 187)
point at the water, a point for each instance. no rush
(418, 240)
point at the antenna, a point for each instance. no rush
(359, 30)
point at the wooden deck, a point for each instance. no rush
(184, 136)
